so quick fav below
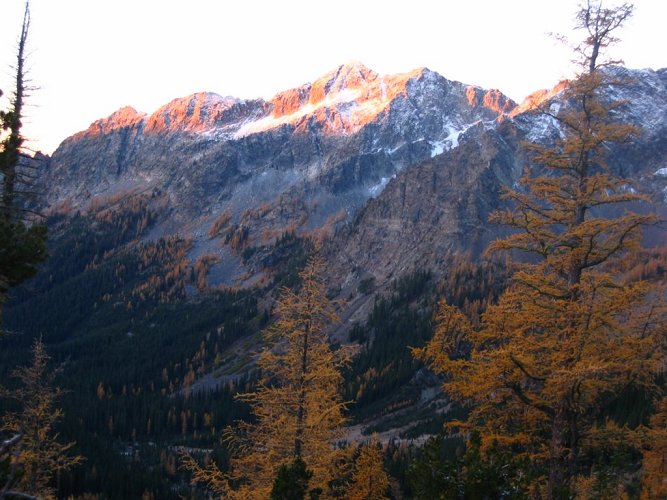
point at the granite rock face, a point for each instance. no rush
(306, 156)
(431, 210)
(341, 134)
(441, 206)
(411, 163)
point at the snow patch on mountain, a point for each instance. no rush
(541, 126)
(271, 121)
(661, 172)
(449, 142)
(438, 147)
(379, 187)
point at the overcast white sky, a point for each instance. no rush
(91, 57)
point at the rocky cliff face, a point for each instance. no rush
(431, 210)
(441, 206)
(305, 156)
(318, 131)
(430, 154)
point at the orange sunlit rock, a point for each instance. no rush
(201, 112)
(534, 100)
(498, 102)
(471, 95)
(343, 100)
(195, 112)
(288, 102)
(124, 117)
(491, 99)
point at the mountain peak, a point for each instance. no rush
(351, 96)
(351, 75)
(196, 112)
(345, 78)
(354, 65)
(342, 100)
(124, 117)
(534, 100)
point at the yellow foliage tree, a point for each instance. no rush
(655, 456)
(369, 479)
(297, 404)
(36, 454)
(567, 336)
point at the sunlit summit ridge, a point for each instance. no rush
(342, 101)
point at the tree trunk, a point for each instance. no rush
(301, 410)
(12, 145)
(562, 453)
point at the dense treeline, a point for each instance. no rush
(112, 311)
(120, 392)
(145, 368)
(286, 257)
(396, 322)
(404, 319)
(80, 241)
(132, 441)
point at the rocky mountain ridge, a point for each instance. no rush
(431, 154)
(341, 101)
(441, 206)
(309, 157)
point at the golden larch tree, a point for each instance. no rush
(369, 480)
(37, 455)
(297, 406)
(567, 336)
(654, 484)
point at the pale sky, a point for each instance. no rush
(91, 57)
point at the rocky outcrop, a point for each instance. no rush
(431, 210)
(202, 112)
(441, 206)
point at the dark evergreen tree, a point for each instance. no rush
(291, 481)
(22, 246)
(442, 471)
